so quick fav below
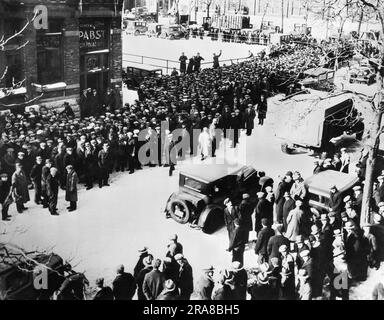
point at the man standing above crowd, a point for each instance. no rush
(216, 63)
(183, 63)
(197, 62)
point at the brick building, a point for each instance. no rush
(81, 48)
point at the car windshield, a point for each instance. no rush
(174, 29)
(193, 184)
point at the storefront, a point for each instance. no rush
(80, 48)
(94, 54)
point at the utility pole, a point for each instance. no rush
(282, 16)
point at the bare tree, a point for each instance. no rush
(4, 41)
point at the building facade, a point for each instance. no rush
(79, 47)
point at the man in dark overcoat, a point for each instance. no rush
(71, 188)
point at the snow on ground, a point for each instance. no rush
(112, 223)
(172, 49)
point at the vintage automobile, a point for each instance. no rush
(309, 121)
(135, 74)
(202, 190)
(135, 27)
(314, 77)
(17, 269)
(173, 32)
(362, 75)
(319, 184)
(154, 30)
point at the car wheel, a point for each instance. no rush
(181, 214)
(137, 33)
(171, 37)
(214, 221)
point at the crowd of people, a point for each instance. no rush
(106, 137)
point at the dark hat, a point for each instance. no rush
(99, 282)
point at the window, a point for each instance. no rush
(193, 184)
(49, 53)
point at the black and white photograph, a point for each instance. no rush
(191, 150)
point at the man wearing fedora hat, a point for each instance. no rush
(262, 210)
(239, 281)
(205, 284)
(139, 280)
(355, 252)
(262, 241)
(169, 292)
(123, 286)
(140, 265)
(184, 280)
(294, 220)
(71, 188)
(246, 209)
(283, 189)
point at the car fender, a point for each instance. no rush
(204, 215)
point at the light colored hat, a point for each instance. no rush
(304, 253)
(169, 285)
(347, 198)
(179, 256)
(356, 188)
(315, 229)
(380, 204)
(283, 248)
(226, 201)
(246, 196)
(237, 266)
(268, 188)
(260, 194)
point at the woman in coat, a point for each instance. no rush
(71, 188)
(20, 188)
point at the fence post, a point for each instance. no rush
(142, 59)
(167, 66)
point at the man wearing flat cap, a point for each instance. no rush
(71, 188)
(20, 188)
(262, 241)
(335, 200)
(355, 252)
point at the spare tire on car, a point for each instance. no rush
(179, 211)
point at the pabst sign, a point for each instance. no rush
(93, 35)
